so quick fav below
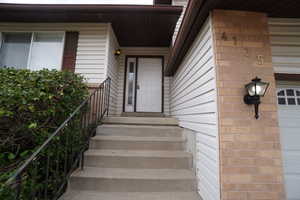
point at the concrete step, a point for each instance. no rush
(137, 143)
(142, 130)
(138, 159)
(90, 195)
(165, 121)
(133, 180)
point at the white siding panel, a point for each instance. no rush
(153, 51)
(285, 41)
(90, 61)
(112, 70)
(194, 104)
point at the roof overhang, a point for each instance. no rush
(198, 10)
(134, 25)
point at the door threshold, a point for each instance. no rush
(142, 114)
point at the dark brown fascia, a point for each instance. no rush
(91, 8)
(196, 13)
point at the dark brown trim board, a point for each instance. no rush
(287, 77)
(136, 79)
(187, 33)
(70, 51)
(90, 8)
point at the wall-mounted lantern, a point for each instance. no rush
(118, 52)
(255, 90)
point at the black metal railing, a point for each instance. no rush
(45, 174)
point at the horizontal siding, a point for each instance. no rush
(157, 51)
(285, 41)
(112, 70)
(90, 60)
(182, 3)
(194, 104)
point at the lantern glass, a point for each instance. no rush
(256, 87)
(251, 88)
(261, 88)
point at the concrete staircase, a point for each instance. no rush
(135, 158)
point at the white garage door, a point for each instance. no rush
(289, 122)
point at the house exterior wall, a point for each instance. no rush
(194, 104)
(250, 150)
(143, 51)
(91, 52)
(285, 43)
(112, 69)
(182, 3)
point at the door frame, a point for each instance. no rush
(136, 78)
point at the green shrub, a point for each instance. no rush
(32, 105)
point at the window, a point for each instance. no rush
(288, 96)
(130, 83)
(32, 51)
(15, 50)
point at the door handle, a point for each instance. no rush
(137, 86)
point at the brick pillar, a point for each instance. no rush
(250, 150)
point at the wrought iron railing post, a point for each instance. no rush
(109, 81)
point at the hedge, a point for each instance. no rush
(32, 105)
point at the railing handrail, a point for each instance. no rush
(50, 138)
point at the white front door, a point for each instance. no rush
(289, 123)
(143, 92)
(149, 85)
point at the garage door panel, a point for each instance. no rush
(291, 139)
(289, 123)
(292, 183)
(292, 162)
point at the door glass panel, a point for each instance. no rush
(130, 83)
(15, 50)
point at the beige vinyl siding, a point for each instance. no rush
(285, 41)
(90, 60)
(182, 3)
(112, 69)
(153, 51)
(194, 104)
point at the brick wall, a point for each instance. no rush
(250, 152)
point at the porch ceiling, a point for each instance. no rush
(134, 25)
(198, 10)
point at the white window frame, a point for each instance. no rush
(31, 43)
